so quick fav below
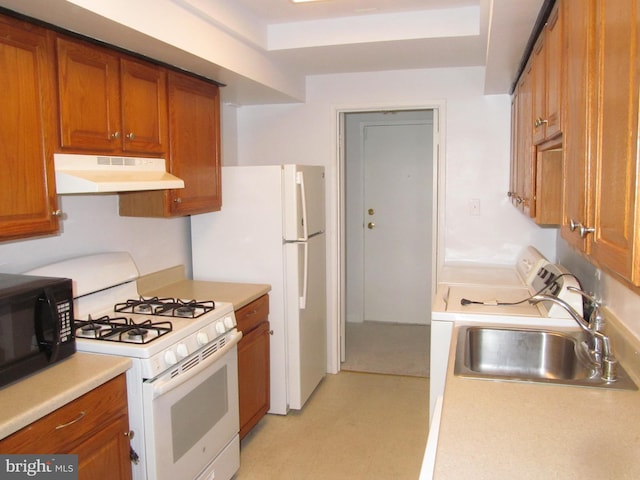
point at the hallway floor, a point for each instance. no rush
(390, 348)
(354, 426)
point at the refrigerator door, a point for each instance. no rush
(306, 327)
(303, 192)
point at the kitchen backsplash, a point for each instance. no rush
(91, 224)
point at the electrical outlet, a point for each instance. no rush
(474, 206)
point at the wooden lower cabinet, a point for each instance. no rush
(94, 426)
(253, 363)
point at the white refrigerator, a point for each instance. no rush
(271, 230)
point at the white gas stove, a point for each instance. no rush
(184, 367)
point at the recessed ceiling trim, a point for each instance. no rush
(444, 23)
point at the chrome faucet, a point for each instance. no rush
(599, 351)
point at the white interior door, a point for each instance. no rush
(397, 222)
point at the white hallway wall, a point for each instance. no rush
(476, 160)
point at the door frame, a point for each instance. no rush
(336, 335)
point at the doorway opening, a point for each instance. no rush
(388, 208)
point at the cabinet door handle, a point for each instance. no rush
(75, 420)
(539, 122)
(584, 231)
(115, 135)
(130, 136)
(57, 213)
(573, 225)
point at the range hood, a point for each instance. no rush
(103, 174)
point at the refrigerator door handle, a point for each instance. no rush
(302, 301)
(303, 199)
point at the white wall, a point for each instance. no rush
(475, 141)
(91, 225)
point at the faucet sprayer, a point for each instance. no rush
(601, 352)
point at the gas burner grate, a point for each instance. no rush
(185, 308)
(167, 307)
(121, 329)
(144, 306)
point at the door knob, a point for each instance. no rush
(371, 211)
(370, 225)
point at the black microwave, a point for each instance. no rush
(36, 324)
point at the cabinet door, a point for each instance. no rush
(539, 62)
(194, 130)
(615, 241)
(105, 456)
(547, 64)
(525, 159)
(253, 377)
(144, 107)
(89, 99)
(553, 72)
(513, 165)
(28, 200)
(578, 142)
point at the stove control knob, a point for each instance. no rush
(182, 350)
(202, 338)
(170, 357)
(220, 328)
(229, 323)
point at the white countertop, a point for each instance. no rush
(506, 430)
(173, 283)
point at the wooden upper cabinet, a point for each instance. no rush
(194, 153)
(554, 73)
(522, 164)
(547, 61)
(144, 107)
(108, 102)
(88, 96)
(615, 241)
(578, 108)
(28, 202)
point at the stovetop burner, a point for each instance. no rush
(168, 307)
(121, 329)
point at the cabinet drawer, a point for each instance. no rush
(249, 316)
(66, 427)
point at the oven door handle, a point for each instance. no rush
(166, 382)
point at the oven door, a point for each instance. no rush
(191, 414)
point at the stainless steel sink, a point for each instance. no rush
(529, 355)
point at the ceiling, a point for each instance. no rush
(339, 36)
(272, 45)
